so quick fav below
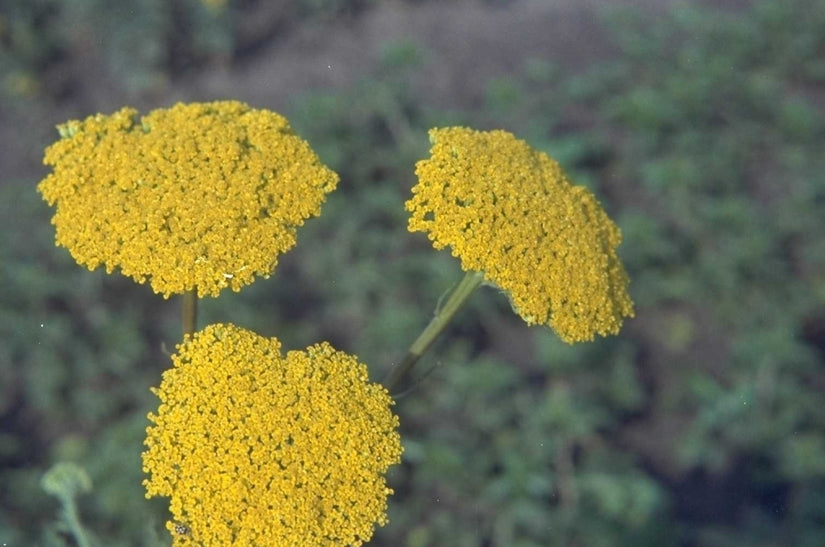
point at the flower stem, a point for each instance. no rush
(70, 514)
(442, 317)
(190, 312)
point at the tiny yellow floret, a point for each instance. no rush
(510, 212)
(255, 448)
(197, 196)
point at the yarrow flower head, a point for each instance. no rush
(197, 196)
(510, 212)
(257, 448)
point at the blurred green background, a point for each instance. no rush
(699, 125)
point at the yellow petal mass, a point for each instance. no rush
(509, 211)
(257, 448)
(197, 196)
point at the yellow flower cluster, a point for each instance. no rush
(509, 211)
(198, 196)
(255, 448)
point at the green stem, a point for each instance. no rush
(471, 281)
(70, 514)
(190, 312)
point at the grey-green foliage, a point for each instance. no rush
(727, 148)
(519, 462)
(720, 136)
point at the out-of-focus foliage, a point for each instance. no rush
(700, 424)
(724, 137)
(714, 163)
(49, 48)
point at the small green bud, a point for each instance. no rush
(68, 129)
(66, 480)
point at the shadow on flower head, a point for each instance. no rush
(257, 448)
(198, 196)
(509, 211)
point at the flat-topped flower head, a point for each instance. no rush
(510, 212)
(197, 196)
(258, 448)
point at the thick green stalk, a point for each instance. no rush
(190, 312)
(471, 281)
